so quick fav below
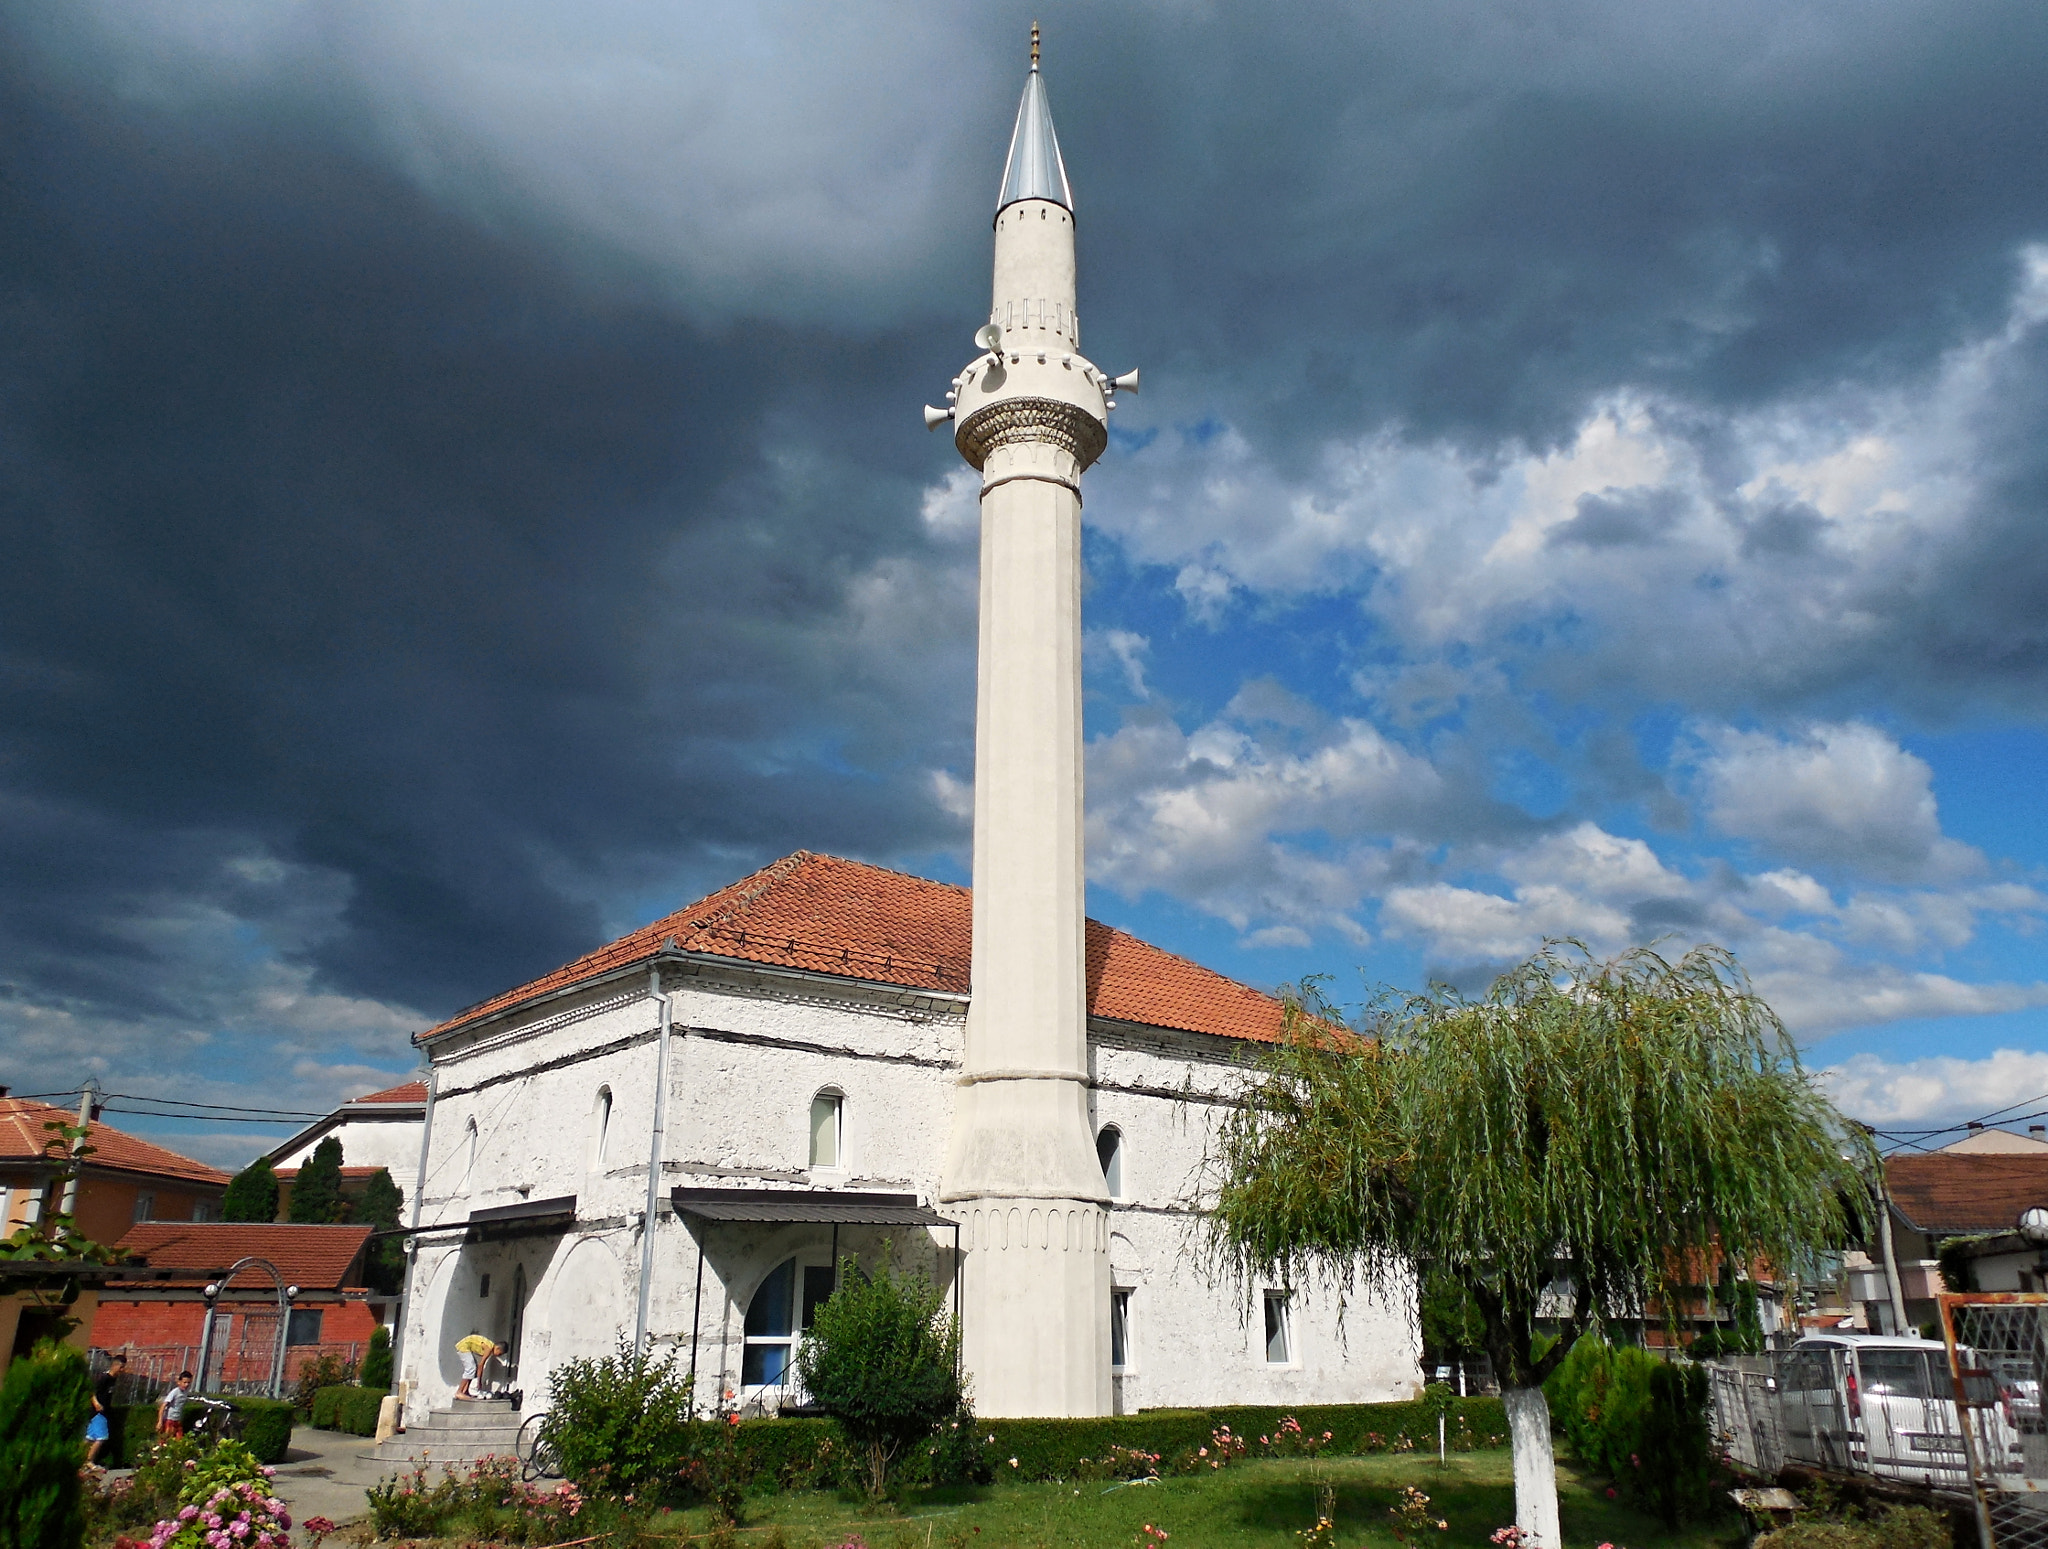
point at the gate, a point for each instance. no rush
(1998, 1356)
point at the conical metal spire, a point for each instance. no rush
(1034, 170)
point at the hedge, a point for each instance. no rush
(784, 1451)
(347, 1408)
(1049, 1449)
(266, 1422)
(267, 1428)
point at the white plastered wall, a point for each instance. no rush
(749, 1052)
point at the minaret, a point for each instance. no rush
(1021, 1172)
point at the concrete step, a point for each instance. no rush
(404, 1450)
(460, 1434)
(497, 1417)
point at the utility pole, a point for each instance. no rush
(88, 1110)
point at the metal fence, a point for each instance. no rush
(1884, 1413)
(239, 1365)
(1998, 1359)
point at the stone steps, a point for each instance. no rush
(460, 1434)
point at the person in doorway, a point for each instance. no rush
(476, 1350)
(99, 1429)
(170, 1409)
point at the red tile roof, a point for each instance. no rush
(411, 1092)
(22, 1138)
(315, 1258)
(348, 1173)
(833, 916)
(1948, 1195)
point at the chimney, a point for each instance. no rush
(1975, 1125)
(2034, 1131)
(3, 1091)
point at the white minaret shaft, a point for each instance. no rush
(1021, 1171)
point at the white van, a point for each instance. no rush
(1885, 1405)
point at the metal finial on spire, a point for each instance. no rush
(1034, 169)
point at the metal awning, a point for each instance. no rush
(525, 1212)
(811, 1206)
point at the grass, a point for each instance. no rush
(1249, 1504)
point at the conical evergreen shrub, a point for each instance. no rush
(44, 1405)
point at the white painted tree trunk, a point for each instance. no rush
(1535, 1467)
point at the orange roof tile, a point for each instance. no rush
(834, 916)
(22, 1138)
(1949, 1194)
(348, 1173)
(315, 1258)
(410, 1092)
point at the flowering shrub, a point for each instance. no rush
(1517, 1538)
(1120, 1462)
(490, 1502)
(1289, 1440)
(1150, 1537)
(1322, 1536)
(1413, 1517)
(317, 1528)
(224, 1503)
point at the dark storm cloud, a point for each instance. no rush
(381, 544)
(458, 465)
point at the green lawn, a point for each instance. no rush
(1249, 1504)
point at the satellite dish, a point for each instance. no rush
(934, 418)
(988, 337)
(1127, 383)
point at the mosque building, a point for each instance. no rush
(679, 1137)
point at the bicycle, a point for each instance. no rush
(536, 1453)
(216, 1422)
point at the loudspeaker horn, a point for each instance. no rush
(988, 337)
(934, 418)
(1127, 383)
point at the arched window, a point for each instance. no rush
(468, 1152)
(828, 1112)
(1109, 1151)
(777, 1318)
(601, 1126)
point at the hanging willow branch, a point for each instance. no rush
(1587, 1141)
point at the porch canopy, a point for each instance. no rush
(803, 1207)
(817, 1207)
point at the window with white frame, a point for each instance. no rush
(828, 1114)
(1119, 1328)
(601, 1126)
(781, 1309)
(145, 1206)
(1279, 1328)
(1109, 1151)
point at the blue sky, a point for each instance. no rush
(466, 494)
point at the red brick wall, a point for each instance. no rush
(148, 1324)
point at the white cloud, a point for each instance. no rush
(1936, 1090)
(1668, 550)
(1843, 795)
(951, 508)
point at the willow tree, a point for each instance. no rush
(1577, 1146)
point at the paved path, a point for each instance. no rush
(325, 1474)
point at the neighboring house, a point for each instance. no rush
(817, 1012)
(123, 1180)
(159, 1323)
(1972, 1197)
(381, 1130)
